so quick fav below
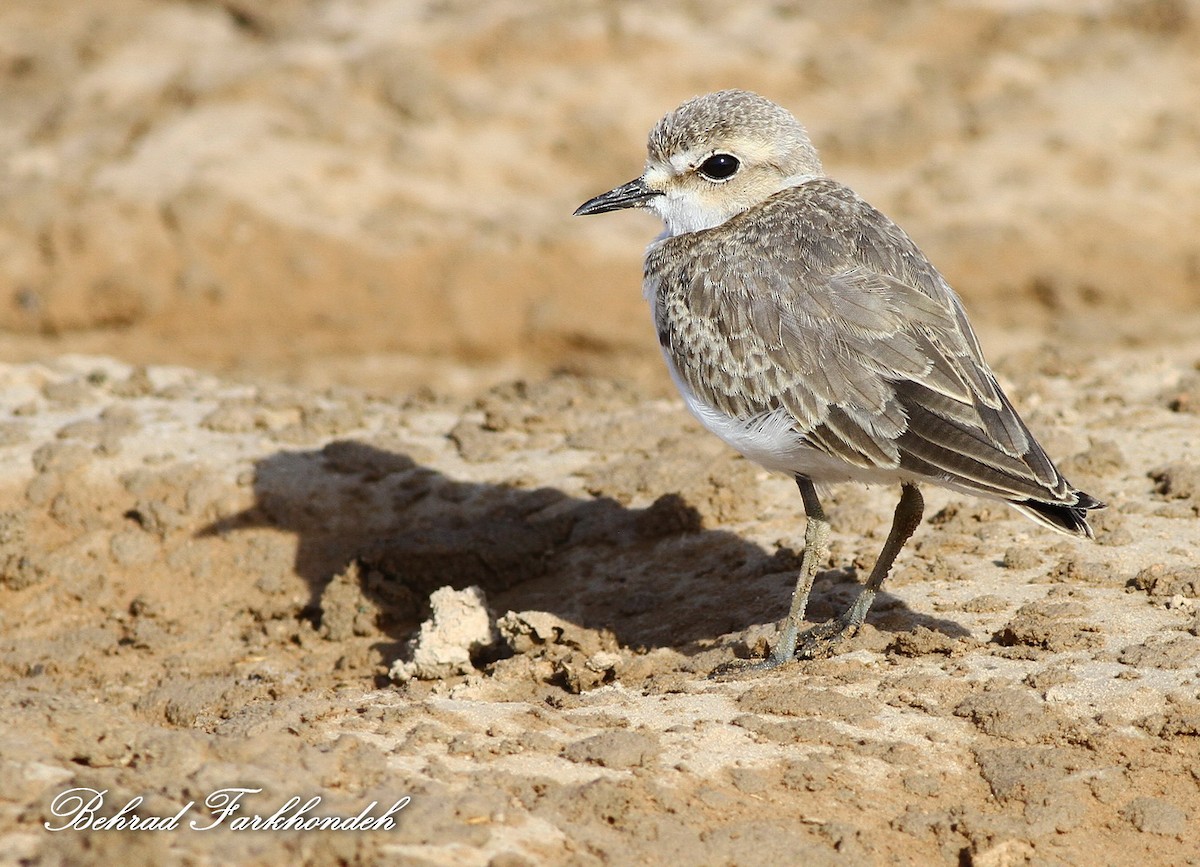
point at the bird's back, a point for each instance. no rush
(814, 313)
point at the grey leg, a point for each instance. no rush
(816, 539)
(819, 640)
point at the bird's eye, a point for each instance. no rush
(718, 167)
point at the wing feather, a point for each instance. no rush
(817, 303)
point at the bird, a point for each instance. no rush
(809, 332)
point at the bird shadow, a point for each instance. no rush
(654, 576)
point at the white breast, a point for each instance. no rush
(770, 439)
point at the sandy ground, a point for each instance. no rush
(337, 461)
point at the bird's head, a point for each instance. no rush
(714, 157)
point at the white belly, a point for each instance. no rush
(772, 441)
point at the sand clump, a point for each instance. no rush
(459, 629)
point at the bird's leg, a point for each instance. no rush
(820, 640)
(816, 539)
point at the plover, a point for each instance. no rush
(808, 331)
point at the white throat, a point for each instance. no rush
(682, 213)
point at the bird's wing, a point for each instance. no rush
(830, 311)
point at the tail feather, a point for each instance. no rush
(1064, 517)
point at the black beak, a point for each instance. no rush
(634, 194)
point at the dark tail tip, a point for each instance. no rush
(1068, 518)
(1088, 503)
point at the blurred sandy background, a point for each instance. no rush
(373, 192)
(396, 364)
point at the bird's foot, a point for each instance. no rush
(817, 642)
(820, 641)
(737, 667)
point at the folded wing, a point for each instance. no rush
(841, 320)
